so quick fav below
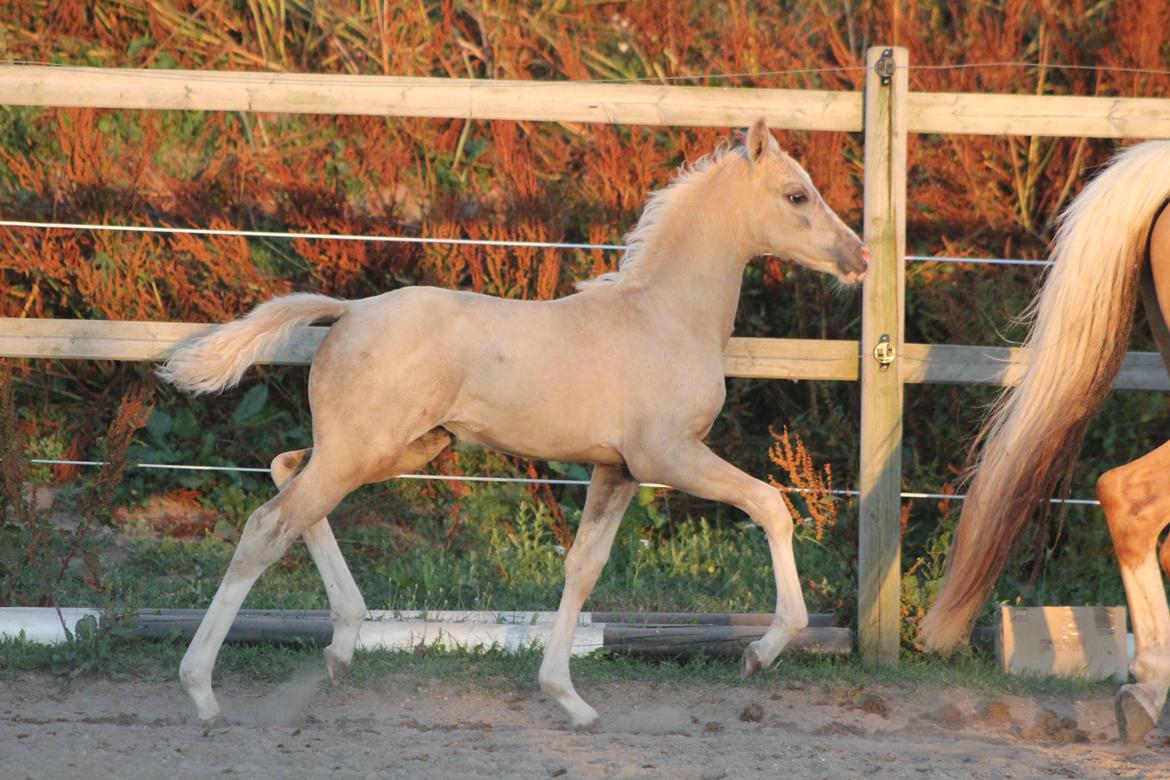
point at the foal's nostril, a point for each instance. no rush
(865, 256)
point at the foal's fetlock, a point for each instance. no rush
(197, 685)
(559, 688)
(205, 704)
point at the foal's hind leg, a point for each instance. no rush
(610, 491)
(1136, 501)
(692, 468)
(346, 606)
(306, 499)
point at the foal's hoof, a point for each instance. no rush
(209, 724)
(334, 666)
(584, 720)
(751, 662)
(1134, 721)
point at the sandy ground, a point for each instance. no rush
(413, 727)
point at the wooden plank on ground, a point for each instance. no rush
(815, 620)
(718, 640)
(562, 101)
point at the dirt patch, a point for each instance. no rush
(412, 727)
(947, 716)
(1051, 727)
(995, 713)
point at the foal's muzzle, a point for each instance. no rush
(858, 268)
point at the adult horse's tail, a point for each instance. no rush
(1081, 323)
(218, 360)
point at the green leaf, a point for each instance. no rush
(86, 627)
(159, 424)
(251, 405)
(186, 425)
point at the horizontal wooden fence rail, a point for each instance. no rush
(573, 101)
(559, 101)
(756, 358)
(1045, 115)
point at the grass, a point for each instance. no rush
(158, 661)
(499, 551)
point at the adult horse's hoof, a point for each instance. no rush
(1134, 721)
(750, 663)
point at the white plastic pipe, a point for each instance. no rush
(408, 634)
(41, 625)
(514, 617)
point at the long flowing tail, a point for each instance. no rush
(218, 360)
(1081, 321)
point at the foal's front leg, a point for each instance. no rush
(691, 467)
(609, 494)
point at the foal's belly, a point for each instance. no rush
(541, 444)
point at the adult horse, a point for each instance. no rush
(1113, 245)
(626, 374)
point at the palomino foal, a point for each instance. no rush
(626, 374)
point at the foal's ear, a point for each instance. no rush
(760, 140)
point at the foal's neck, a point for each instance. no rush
(695, 260)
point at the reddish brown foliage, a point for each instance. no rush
(498, 179)
(980, 196)
(813, 485)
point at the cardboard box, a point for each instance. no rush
(1087, 642)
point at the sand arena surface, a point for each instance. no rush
(411, 726)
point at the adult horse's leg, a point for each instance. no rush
(1137, 507)
(692, 468)
(303, 501)
(347, 608)
(610, 491)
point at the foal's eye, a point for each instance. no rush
(797, 198)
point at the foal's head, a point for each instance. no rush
(787, 217)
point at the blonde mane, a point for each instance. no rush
(642, 236)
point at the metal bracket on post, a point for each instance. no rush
(885, 67)
(884, 353)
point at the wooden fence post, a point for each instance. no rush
(879, 545)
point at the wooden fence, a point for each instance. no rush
(886, 111)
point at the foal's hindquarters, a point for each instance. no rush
(365, 429)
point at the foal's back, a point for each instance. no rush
(560, 380)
